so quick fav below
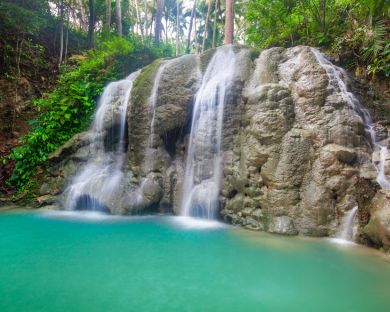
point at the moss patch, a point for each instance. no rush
(138, 116)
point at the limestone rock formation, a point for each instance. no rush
(299, 149)
(292, 145)
(378, 228)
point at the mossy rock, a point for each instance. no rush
(138, 115)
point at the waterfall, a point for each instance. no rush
(152, 101)
(336, 75)
(381, 178)
(347, 230)
(204, 157)
(95, 186)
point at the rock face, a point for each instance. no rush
(300, 146)
(378, 228)
(292, 145)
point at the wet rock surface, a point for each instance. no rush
(298, 149)
(378, 228)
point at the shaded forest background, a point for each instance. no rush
(57, 56)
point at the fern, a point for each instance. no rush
(375, 41)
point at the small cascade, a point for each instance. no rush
(95, 186)
(335, 76)
(152, 104)
(382, 179)
(348, 229)
(204, 159)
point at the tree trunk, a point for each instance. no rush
(195, 35)
(151, 28)
(229, 22)
(18, 58)
(190, 29)
(125, 15)
(83, 20)
(91, 25)
(108, 15)
(177, 26)
(146, 18)
(67, 36)
(215, 23)
(205, 33)
(118, 17)
(157, 32)
(166, 29)
(61, 32)
(323, 16)
(139, 21)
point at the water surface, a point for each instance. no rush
(77, 262)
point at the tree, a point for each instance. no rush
(108, 14)
(206, 24)
(139, 20)
(126, 20)
(215, 22)
(118, 17)
(169, 15)
(190, 28)
(91, 24)
(81, 15)
(67, 35)
(146, 18)
(323, 15)
(177, 26)
(229, 22)
(61, 31)
(195, 33)
(159, 11)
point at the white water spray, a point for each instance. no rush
(382, 178)
(204, 159)
(347, 228)
(97, 183)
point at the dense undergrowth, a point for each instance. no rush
(69, 108)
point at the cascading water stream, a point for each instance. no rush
(98, 181)
(335, 76)
(382, 178)
(347, 231)
(203, 165)
(152, 104)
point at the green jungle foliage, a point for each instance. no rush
(69, 108)
(355, 29)
(29, 39)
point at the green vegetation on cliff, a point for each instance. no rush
(68, 109)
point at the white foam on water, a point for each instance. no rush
(191, 223)
(90, 216)
(341, 241)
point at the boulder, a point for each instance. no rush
(378, 228)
